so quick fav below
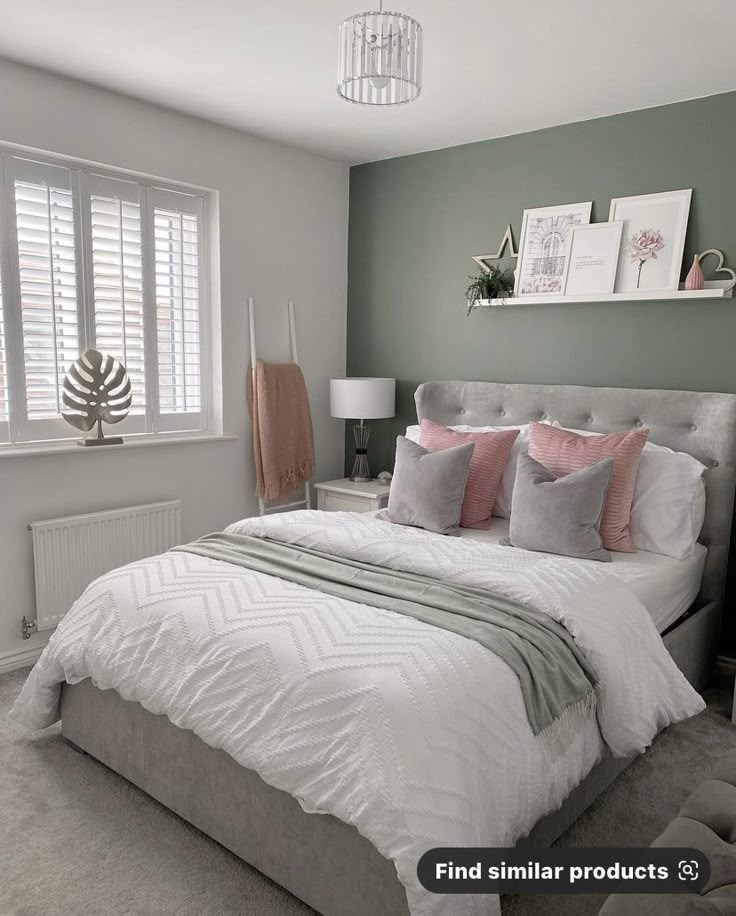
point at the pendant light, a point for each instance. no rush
(380, 58)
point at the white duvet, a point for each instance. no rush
(417, 736)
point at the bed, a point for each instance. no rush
(320, 858)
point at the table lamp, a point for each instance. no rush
(362, 399)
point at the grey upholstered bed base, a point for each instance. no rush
(320, 859)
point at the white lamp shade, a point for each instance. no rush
(362, 398)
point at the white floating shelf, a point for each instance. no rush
(714, 291)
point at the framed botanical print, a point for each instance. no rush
(592, 259)
(653, 239)
(545, 236)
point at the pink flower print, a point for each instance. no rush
(643, 246)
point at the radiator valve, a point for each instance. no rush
(27, 627)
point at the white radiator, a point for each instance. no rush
(69, 553)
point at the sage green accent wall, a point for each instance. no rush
(416, 221)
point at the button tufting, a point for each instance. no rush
(638, 423)
(693, 428)
(714, 463)
(462, 410)
(590, 420)
(542, 416)
(503, 413)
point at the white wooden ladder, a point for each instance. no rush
(305, 503)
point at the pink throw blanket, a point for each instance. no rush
(283, 441)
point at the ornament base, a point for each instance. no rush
(108, 440)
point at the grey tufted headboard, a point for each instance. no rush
(700, 423)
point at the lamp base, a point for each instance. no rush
(361, 472)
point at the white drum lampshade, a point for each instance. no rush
(362, 399)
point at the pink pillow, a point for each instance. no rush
(490, 455)
(562, 452)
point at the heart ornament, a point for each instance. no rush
(720, 269)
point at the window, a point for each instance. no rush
(88, 259)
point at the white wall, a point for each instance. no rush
(283, 233)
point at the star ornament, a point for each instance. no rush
(508, 239)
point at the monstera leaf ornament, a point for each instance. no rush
(96, 390)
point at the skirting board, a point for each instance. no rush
(21, 658)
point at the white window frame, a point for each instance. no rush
(86, 179)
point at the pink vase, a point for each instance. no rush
(695, 278)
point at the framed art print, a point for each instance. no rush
(545, 235)
(653, 239)
(592, 259)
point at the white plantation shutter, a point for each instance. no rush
(118, 287)
(46, 251)
(89, 259)
(177, 232)
(113, 230)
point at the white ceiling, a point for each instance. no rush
(492, 67)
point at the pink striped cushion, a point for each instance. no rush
(563, 451)
(490, 455)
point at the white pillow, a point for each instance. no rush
(668, 508)
(502, 506)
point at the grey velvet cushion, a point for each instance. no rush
(428, 487)
(559, 515)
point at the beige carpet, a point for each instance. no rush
(78, 840)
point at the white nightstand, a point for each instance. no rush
(346, 496)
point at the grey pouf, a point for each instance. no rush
(707, 821)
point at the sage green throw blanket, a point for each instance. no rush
(556, 680)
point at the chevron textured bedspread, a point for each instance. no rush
(556, 681)
(416, 735)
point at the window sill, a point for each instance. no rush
(69, 446)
